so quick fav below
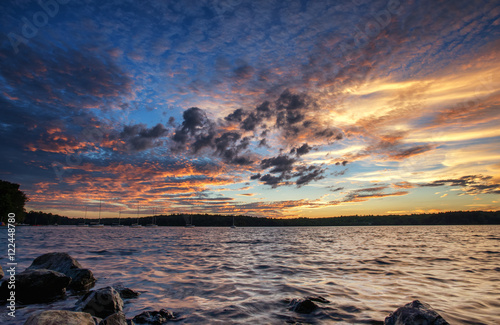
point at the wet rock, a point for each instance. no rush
(125, 293)
(35, 286)
(115, 319)
(306, 305)
(51, 317)
(153, 317)
(1, 272)
(102, 302)
(415, 313)
(302, 306)
(82, 279)
(318, 299)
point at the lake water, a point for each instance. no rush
(244, 275)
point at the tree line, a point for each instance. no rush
(214, 220)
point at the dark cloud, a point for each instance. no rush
(140, 138)
(365, 194)
(302, 150)
(65, 77)
(308, 174)
(197, 127)
(279, 164)
(236, 116)
(230, 146)
(271, 180)
(472, 184)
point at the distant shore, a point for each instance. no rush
(212, 220)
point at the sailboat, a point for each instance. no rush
(233, 225)
(136, 225)
(119, 218)
(190, 224)
(83, 224)
(98, 224)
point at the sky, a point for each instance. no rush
(263, 108)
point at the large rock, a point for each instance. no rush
(35, 286)
(415, 313)
(115, 319)
(306, 305)
(125, 293)
(153, 317)
(1, 272)
(57, 317)
(82, 279)
(102, 302)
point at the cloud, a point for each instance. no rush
(471, 184)
(138, 137)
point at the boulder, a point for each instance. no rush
(102, 302)
(415, 313)
(1, 272)
(82, 279)
(125, 293)
(306, 305)
(36, 286)
(56, 317)
(153, 317)
(115, 319)
(302, 306)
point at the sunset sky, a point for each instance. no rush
(264, 108)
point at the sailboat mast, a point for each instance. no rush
(100, 204)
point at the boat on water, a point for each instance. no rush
(119, 218)
(83, 224)
(153, 224)
(97, 224)
(233, 225)
(136, 225)
(190, 224)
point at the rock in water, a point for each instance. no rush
(153, 317)
(306, 305)
(82, 279)
(53, 317)
(115, 319)
(1, 272)
(302, 306)
(102, 302)
(125, 293)
(35, 286)
(415, 313)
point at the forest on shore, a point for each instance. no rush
(213, 220)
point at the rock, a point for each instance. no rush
(82, 279)
(306, 305)
(125, 293)
(102, 302)
(54, 317)
(115, 319)
(302, 306)
(415, 313)
(35, 286)
(318, 299)
(1, 272)
(153, 317)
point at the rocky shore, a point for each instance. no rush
(51, 276)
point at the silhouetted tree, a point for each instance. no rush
(12, 200)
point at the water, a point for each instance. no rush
(244, 275)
